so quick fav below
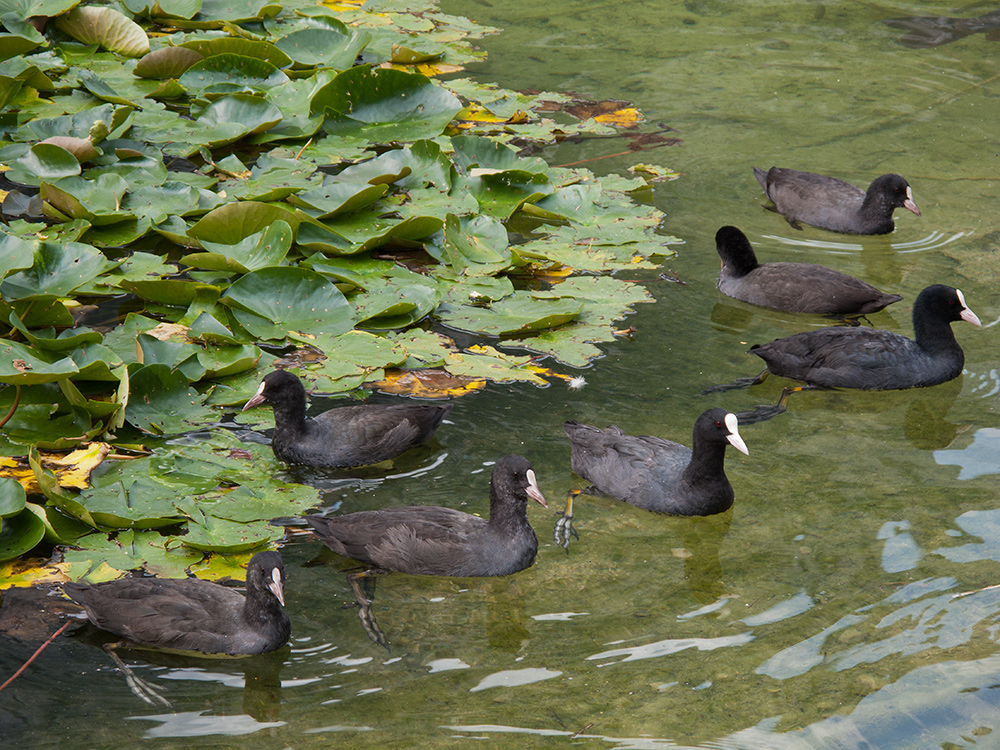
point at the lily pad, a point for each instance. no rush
(518, 314)
(277, 302)
(385, 105)
(105, 27)
(161, 402)
(20, 534)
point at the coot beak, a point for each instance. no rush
(734, 435)
(967, 315)
(257, 399)
(908, 204)
(275, 586)
(533, 492)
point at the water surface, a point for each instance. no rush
(845, 601)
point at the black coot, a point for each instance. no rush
(344, 437)
(192, 615)
(429, 540)
(656, 474)
(842, 357)
(833, 204)
(793, 287)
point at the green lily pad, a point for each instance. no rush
(337, 197)
(143, 504)
(326, 47)
(229, 45)
(261, 250)
(277, 302)
(385, 105)
(473, 246)
(211, 534)
(231, 223)
(24, 365)
(97, 201)
(43, 162)
(518, 314)
(15, 254)
(19, 535)
(161, 402)
(230, 118)
(246, 72)
(12, 497)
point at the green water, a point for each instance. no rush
(842, 603)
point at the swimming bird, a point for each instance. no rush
(870, 359)
(793, 287)
(833, 204)
(343, 437)
(191, 615)
(431, 540)
(652, 473)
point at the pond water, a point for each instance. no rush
(845, 601)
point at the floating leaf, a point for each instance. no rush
(385, 105)
(12, 498)
(519, 313)
(161, 402)
(233, 222)
(105, 27)
(19, 535)
(276, 302)
(428, 383)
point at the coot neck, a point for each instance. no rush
(505, 513)
(290, 415)
(933, 334)
(261, 610)
(707, 461)
(876, 213)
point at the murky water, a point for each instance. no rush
(846, 601)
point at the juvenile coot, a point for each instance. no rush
(429, 540)
(344, 437)
(842, 357)
(793, 287)
(192, 615)
(833, 204)
(657, 474)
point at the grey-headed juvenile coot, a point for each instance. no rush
(833, 204)
(343, 437)
(429, 540)
(793, 287)
(192, 615)
(842, 357)
(657, 474)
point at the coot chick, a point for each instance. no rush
(869, 359)
(793, 287)
(429, 540)
(833, 204)
(192, 615)
(657, 474)
(343, 437)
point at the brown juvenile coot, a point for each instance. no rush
(343, 437)
(842, 357)
(657, 474)
(793, 287)
(833, 204)
(192, 615)
(429, 540)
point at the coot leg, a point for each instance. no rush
(765, 412)
(738, 383)
(139, 687)
(564, 526)
(356, 581)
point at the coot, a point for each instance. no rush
(344, 437)
(429, 540)
(833, 204)
(192, 615)
(842, 357)
(793, 287)
(657, 474)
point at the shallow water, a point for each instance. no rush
(845, 601)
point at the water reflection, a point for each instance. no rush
(980, 458)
